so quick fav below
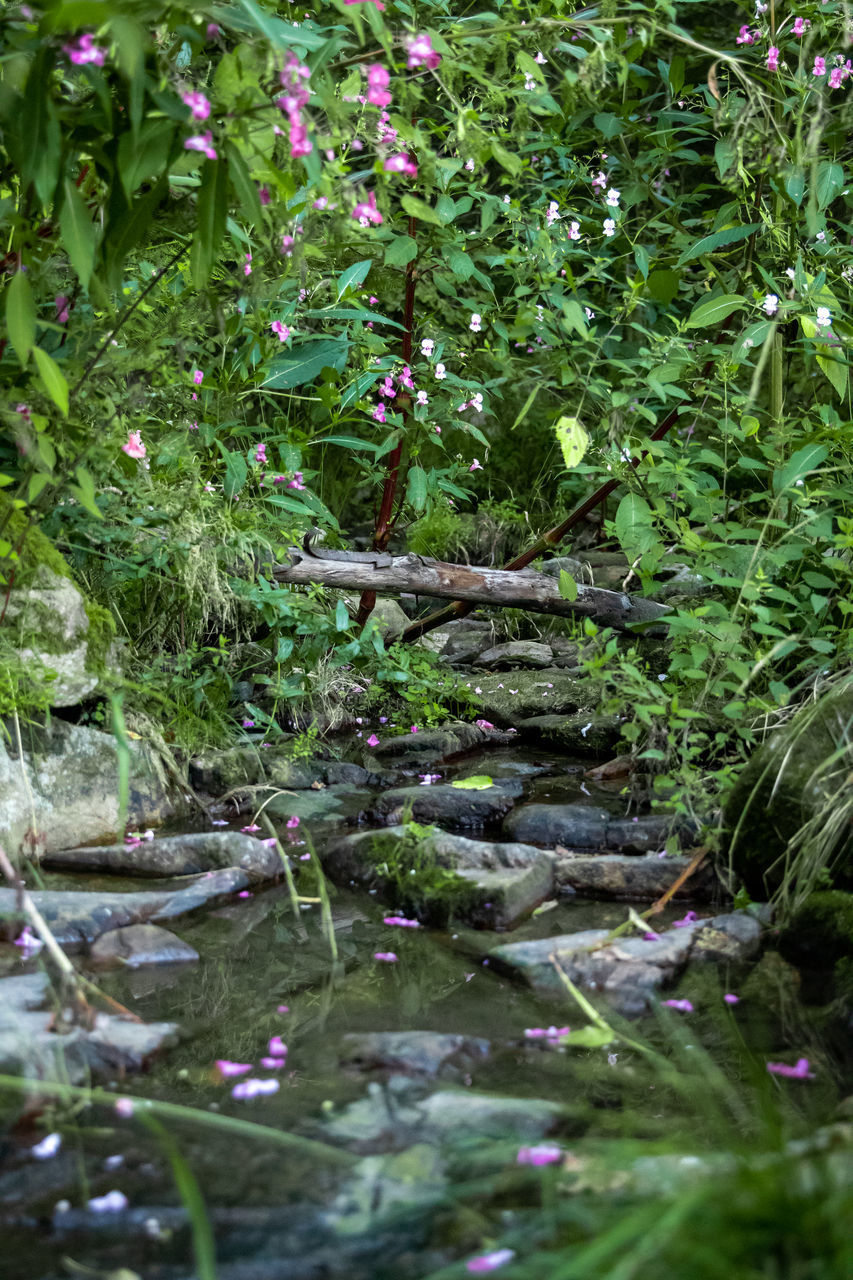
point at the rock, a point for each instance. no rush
(580, 826)
(184, 855)
(417, 1053)
(387, 616)
(57, 640)
(820, 932)
(509, 697)
(140, 945)
(625, 876)
(584, 734)
(396, 1114)
(78, 918)
(493, 885)
(630, 970)
(445, 803)
(428, 746)
(333, 806)
(570, 564)
(221, 771)
(516, 653)
(72, 773)
(30, 1047)
(796, 777)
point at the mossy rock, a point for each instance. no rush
(820, 933)
(796, 778)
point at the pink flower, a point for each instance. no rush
(366, 212)
(273, 1064)
(201, 142)
(545, 1153)
(730, 999)
(212, 30)
(475, 466)
(800, 27)
(798, 1072)
(402, 163)
(484, 724)
(198, 105)
(287, 243)
(773, 58)
(836, 77)
(422, 398)
(226, 1068)
(421, 53)
(247, 265)
(413, 728)
(440, 372)
(745, 36)
(379, 412)
(401, 922)
(427, 779)
(378, 3)
(296, 482)
(373, 741)
(819, 68)
(280, 330)
(292, 822)
(61, 304)
(378, 80)
(427, 347)
(388, 956)
(683, 1006)
(264, 195)
(277, 1047)
(689, 918)
(85, 51)
(124, 1107)
(134, 447)
(198, 377)
(490, 1261)
(300, 143)
(248, 1089)
(261, 453)
(253, 826)
(47, 1148)
(28, 942)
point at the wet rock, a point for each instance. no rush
(428, 746)
(583, 734)
(388, 1184)
(333, 806)
(629, 971)
(77, 918)
(29, 1046)
(467, 637)
(569, 564)
(397, 1113)
(68, 779)
(452, 806)
(494, 885)
(140, 945)
(416, 1053)
(516, 653)
(628, 877)
(183, 855)
(222, 771)
(579, 826)
(509, 697)
(796, 777)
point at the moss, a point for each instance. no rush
(99, 638)
(421, 885)
(35, 551)
(821, 932)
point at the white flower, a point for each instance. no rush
(476, 322)
(422, 398)
(540, 58)
(477, 401)
(529, 82)
(790, 272)
(590, 314)
(823, 317)
(469, 165)
(427, 347)
(506, 199)
(553, 213)
(821, 237)
(574, 231)
(609, 227)
(612, 198)
(770, 304)
(440, 372)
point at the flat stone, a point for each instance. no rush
(516, 653)
(30, 1047)
(583, 734)
(579, 826)
(418, 1053)
(78, 918)
(183, 855)
(454, 806)
(630, 878)
(509, 697)
(330, 807)
(140, 945)
(736, 936)
(221, 771)
(498, 883)
(428, 745)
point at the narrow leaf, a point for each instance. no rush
(21, 316)
(78, 232)
(53, 379)
(353, 276)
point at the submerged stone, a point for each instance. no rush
(183, 855)
(455, 806)
(419, 1053)
(140, 945)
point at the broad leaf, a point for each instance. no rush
(715, 310)
(401, 251)
(830, 180)
(572, 439)
(799, 465)
(480, 782)
(304, 362)
(568, 586)
(421, 210)
(416, 488)
(353, 276)
(718, 240)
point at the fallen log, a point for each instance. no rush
(523, 589)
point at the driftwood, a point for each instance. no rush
(523, 589)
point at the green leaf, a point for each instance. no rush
(37, 482)
(718, 240)
(633, 519)
(795, 185)
(342, 618)
(53, 379)
(752, 336)
(836, 371)
(572, 439)
(78, 232)
(245, 188)
(575, 317)
(725, 154)
(641, 258)
(445, 207)
(799, 465)
(477, 783)
(141, 158)
(420, 209)
(353, 276)
(347, 442)
(84, 492)
(830, 180)
(568, 586)
(304, 362)
(588, 1038)
(663, 285)
(607, 124)
(212, 211)
(350, 313)
(401, 251)
(236, 472)
(714, 310)
(506, 159)
(21, 316)
(416, 488)
(525, 408)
